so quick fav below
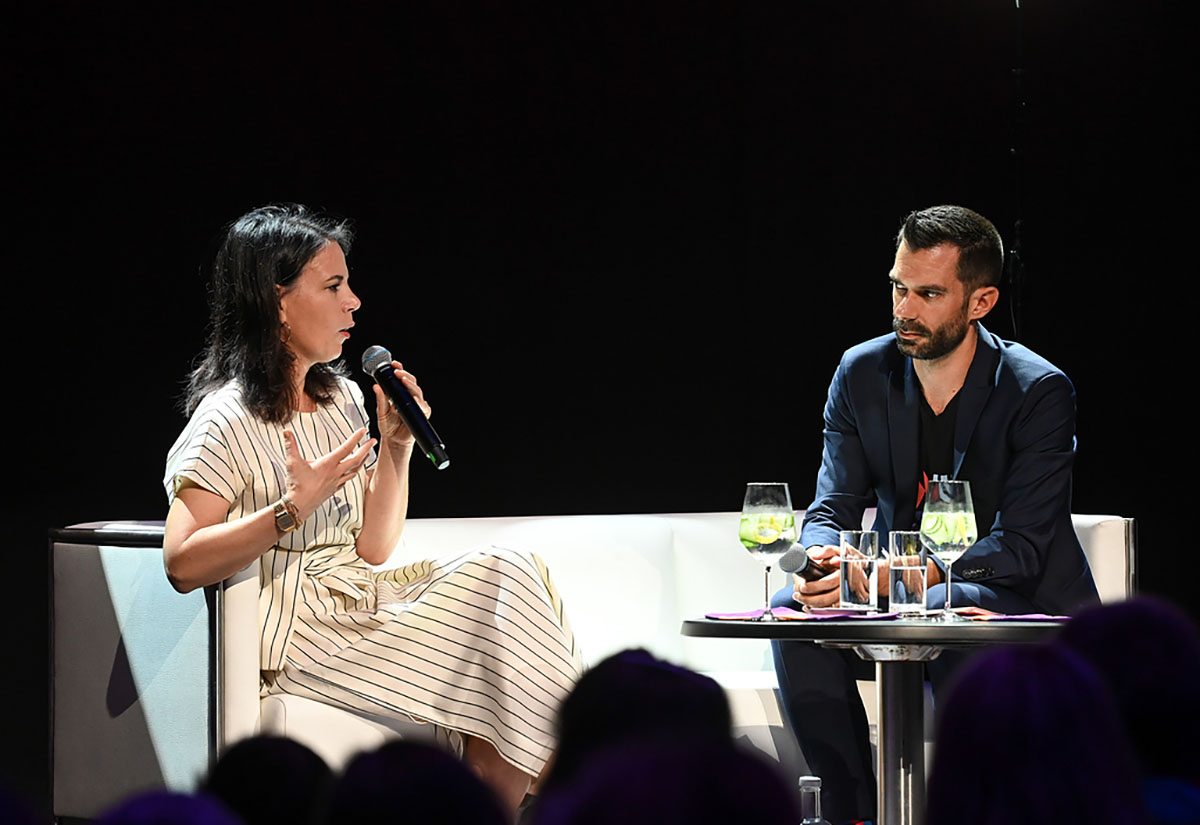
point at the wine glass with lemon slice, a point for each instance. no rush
(948, 527)
(767, 530)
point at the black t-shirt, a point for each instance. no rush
(936, 440)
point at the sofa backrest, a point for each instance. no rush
(629, 580)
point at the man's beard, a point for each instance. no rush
(936, 343)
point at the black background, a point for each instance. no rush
(622, 245)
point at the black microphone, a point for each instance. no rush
(796, 560)
(377, 363)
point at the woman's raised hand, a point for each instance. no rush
(309, 483)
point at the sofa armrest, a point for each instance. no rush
(131, 666)
(1110, 545)
(237, 639)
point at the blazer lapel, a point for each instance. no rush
(904, 397)
(974, 394)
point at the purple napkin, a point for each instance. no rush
(1019, 617)
(779, 612)
(788, 613)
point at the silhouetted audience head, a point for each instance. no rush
(666, 782)
(412, 782)
(633, 695)
(168, 808)
(1030, 734)
(1149, 653)
(271, 779)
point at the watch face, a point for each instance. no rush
(283, 519)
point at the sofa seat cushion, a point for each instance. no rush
(334, 734)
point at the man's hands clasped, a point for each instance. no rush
(826, 591)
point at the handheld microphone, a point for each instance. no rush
(796, 560)
(377, 363)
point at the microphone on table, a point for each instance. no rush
(796, 560)
(377, 363)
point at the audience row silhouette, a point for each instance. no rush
(1147, 652)
(1099, 726)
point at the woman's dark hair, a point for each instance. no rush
(264, 249)
(1148, 651)
(1030, 734)
(299, 780)
(409, 781)
(660, 781)
(165, 807)
(632, 695)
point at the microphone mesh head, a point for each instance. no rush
(794, 560)
(374, 358)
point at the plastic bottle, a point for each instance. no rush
(810, 801)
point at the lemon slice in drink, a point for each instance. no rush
(947, 528)
(935, 528)
(763, 528)
(765, 533)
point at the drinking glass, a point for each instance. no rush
(948, 527)
(767, 530)
(859, 574)
(906, 569)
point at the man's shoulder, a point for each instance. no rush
(878, 354)
(1024, 365)
(1012, 360)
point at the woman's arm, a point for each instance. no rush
(385, 505)
(201, 548)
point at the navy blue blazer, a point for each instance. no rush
(1014, 441)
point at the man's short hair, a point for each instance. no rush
(980, 250)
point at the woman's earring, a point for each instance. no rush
(287, 333)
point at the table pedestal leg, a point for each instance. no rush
(901, 735)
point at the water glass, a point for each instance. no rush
(860, 578)
(907, 566)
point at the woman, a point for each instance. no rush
(275, 467)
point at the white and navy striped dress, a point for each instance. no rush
(477, 643)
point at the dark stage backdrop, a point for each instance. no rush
(622, 245)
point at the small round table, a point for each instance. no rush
(899, 648)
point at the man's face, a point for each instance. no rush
(929, 309)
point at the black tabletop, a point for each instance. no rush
(885, 631)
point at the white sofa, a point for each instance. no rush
(149, 685)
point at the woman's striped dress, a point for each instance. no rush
(475, 643)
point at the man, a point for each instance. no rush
(940, 395)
